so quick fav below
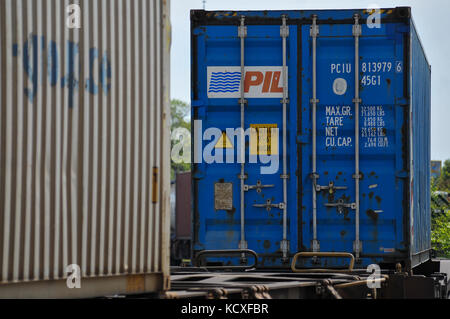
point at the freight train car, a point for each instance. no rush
(335, 106)
(84, 144)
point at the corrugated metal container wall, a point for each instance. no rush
(84, 165)
(420, 119)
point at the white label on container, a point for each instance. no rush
(259, 82)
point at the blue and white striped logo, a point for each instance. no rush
(224, 82)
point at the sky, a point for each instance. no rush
(432, 22)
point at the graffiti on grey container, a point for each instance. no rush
(38, 54)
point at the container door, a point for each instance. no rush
(382, 137)
(216, 100)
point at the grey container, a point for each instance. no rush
(84, 144)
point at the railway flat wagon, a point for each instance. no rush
(84, 144)
(334, 106)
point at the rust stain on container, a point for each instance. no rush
(371, 213)
(378, 199)
(135, 283)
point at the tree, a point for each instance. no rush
(440, 233)
(440, 212)
(443, 181)
(180, 113)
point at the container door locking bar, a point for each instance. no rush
(331, 187)
(357, 245)
(242, 33)
(269, 205)
(284, 244)
(340, 205)
(314, 33)
(258, 187)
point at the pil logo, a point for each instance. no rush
(259, 82)
(270, 81)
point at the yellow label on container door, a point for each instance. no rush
(264, 140)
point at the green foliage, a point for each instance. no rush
(440, 233)
(440, 216)
(443, 181)
(180, 113)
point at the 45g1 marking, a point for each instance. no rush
(371, 80)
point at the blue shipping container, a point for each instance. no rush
(309, 183)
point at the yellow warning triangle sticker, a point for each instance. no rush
(224, 142)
